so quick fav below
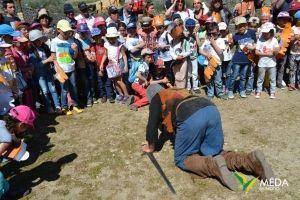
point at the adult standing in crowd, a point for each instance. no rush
(84, 16)
(125, 13)
(70, 14)
(10, 16)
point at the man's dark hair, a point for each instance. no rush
(5, 2)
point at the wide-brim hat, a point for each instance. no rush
(112, 32)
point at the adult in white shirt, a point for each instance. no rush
(178, 7)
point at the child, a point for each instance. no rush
(90, 58)
(244, 40)
(294, 73)
(115, 53)
(267, 48)
(227, 53)
(104, 83)
(141, 82)
(40, 58)
(193, 69)
(64, 52)
(159, 75)
(214, 46)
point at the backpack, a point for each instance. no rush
(138, 6)
(133, 70)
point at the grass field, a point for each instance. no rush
(95, 155)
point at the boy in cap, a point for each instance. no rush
(267, 48)
(193, 81)
(141, 82)
(64, 51)
(244, 41)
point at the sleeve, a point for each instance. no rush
(275, 43)
(53, 46)
(5, 136)
(154, 120)
(141, 68)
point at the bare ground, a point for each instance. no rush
(95, 155)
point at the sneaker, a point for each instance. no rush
(130, 100)
(125, 99)
(95, 101)
(230, 95)
(280, 86)
(292, 87)
(133, 107)
(223, 96)
(103, 100)
(257, 96)
(111, 100)
(119, 98)
(197, 91)
(272, 96)
(243, 94)
(248, 92)
(66, 111)
(89, 103)
(77, 110)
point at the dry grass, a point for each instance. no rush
(95, 155)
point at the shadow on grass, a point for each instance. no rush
(47, 171)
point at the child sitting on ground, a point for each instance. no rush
(141, 82)
(267, 48)
(159, 75)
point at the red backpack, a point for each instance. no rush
(138, 6)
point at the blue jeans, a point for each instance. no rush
(69, 86)
(46, 83)
(250, 78)
(226, 72)
(91, 80)
(201, 133)
(238, 70)
(215, 83)
(105, 86)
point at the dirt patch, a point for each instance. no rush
(95, 155)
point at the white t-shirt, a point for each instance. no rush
(263, 47)
(130, 43)
(185, 14)
(62, 49)
(180, 49)
(227, 53)
(207, 47)
(113, 51)
(144, 71)
(165, 39)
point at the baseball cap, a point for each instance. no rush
(240, 20)
(113, 10)
(95, 32)
(131, 25)
(190, 22)
(99, 21)
(146, 21)
(23, 114)
(265, 28)
(68, 8)
(8, 30)
(82, 6)
(253, 20)
(64, 25)
(112, 32)
(35, 35)
(146, 51)
(283, 14)
(222, 26)
(82, 28)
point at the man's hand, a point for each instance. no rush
(146, 148)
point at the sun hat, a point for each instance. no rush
(283, 14)
(82, 28)
(222, 26)
(64, 25)
(42, 12)
(23, 114)
(99, 21)
(265, 29)
(112, 32)
(253, 20)
(190, 22)
(95, 32)
(35, 35)
(68, 8)
(240, 20)
(8, 30)
(152, 90)
(146, 51)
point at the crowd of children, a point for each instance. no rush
(87, 58)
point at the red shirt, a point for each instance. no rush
(99, 50)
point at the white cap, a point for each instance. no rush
(222, 26)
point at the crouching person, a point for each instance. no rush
(199, 139)
(141, 82)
